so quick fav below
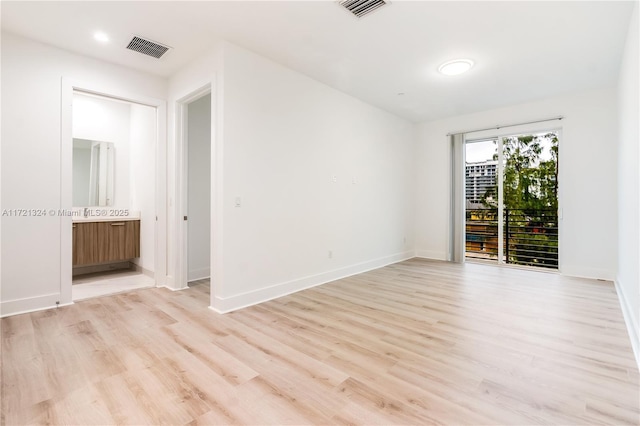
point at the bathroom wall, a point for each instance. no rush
(105, 120)
(142, 179)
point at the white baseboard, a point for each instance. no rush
(199, 274)
(228, 304)
(173, 289)
(632, 327)
(143, 271)
(169, 282)
(432, 254)
(586, 272)
(31, 304)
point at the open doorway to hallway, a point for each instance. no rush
(198, 202)
(511, 196)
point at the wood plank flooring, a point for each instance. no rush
(419, 342)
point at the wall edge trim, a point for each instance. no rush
(632, 328)
(243, 300)
(30, 304)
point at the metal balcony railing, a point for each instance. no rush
(530, 236)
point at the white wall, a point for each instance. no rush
(105, 120)
(278, 139)
(142, 183)
(31, 149)
(317, 171)
(199, 188)
(628, 279)
(588, 177)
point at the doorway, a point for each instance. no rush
(113, 195)
(197, 219)
(198, 192)
(511, 199)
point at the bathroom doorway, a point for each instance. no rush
(113, 195)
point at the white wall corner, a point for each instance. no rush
(174, 289)
(228, 304)
(199, 274)
(632, 328)
(586, 272)
(170, 283)
(432, 254)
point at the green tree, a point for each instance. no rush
(530, 193)
(530, 183)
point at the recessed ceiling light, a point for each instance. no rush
(101, 37)
(455, 67)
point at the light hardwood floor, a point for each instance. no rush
(418, 342)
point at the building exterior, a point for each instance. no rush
(479, 177)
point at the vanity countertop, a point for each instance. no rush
(106, 215)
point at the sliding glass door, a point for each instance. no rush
(482, 200)
(511, 199)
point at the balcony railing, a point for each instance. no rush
(530, 236)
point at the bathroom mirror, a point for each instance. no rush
(93, 170)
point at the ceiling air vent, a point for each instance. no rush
(361, 8)
(147, 47)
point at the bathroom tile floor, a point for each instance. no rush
(102, 284)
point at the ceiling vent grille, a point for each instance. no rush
(147, 47)
(361, 8)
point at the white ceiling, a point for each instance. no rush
(523, 50)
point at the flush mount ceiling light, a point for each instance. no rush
(455, 67)
(101, 37)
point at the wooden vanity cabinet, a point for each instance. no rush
(102, 242)
(84, 243)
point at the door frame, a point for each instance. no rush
(178, 229)
(69, 86)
